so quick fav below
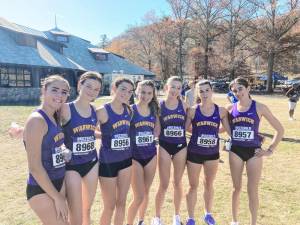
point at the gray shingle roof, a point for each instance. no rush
(12, 53)
(77, 54)
(21, 29)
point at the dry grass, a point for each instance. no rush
(279, 188)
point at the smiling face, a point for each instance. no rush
(145, 94)
(55, 94)
(89, 89)
(123, 92)
(173, 89)
(205, 92)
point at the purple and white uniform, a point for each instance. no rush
(142, 135)
(244, 127)
(205, 136)
(115, 144)
(172, 123)
(51, 155)
(80, 136)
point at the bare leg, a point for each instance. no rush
(210, 171)
(179, 161)
(254, 168)
(74, 189)
(236, 169)
(149, 173)
(193, 170)
(44, 207)
(137, 183)
(164, 166)
(89, 188)
(108, 187)
(123, 184)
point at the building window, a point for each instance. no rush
(62, 38)
(26, 40)
(101, 56)
(15, 77)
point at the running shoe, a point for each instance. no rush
(176, 220)
(234, 223)
(209, 220)
(190, 222)
(156, 221)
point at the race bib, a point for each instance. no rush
(58, 158)
(173, 132)
(207, 141)
(144, 139)
(243, 134)
(83, 145)
(120, 143)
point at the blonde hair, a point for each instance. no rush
(174, 78)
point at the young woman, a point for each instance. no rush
(245, 116)
(172, 147)
(144, 128)
(43, 140)
(79, 121)
(115, 153)
(203, 148)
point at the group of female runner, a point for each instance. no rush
(61, 189)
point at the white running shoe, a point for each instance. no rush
(234, 223)
(176, 220)
(156, 221)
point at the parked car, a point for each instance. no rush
(220, 85)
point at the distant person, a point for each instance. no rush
(293, 94)
(231, 97)
(189, 95)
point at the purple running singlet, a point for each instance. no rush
(172, 123)
(115, 144)
(80, 136)
(141, 134)
(51, 155)
(205, 134)
(244, 127)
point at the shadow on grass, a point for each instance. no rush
(293, 140)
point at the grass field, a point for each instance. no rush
(279, 187)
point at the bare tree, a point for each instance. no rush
(207, 16)
(238, 17)
(181, 11)
(274, 25)
(104, 41)
(144, 40)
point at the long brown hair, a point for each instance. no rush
(153, 104)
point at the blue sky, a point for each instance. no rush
(87, 19)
